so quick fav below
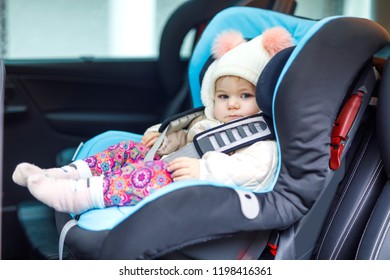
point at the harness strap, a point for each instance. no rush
(77, 151)
(234, 135)
(172, 124)
(226, 138)
(152, 152)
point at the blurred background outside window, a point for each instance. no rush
(62, 29)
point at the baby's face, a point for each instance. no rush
(234, 98)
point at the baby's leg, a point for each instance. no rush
(126, 187)
(115, 157)
(134, 182)
(109, 160)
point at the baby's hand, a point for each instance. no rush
(184, 168)
(150, 138)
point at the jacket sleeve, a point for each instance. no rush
(179, 138)
(252, 167)
(153, 128)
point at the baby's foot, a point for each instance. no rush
(64, 195)
(23, 171)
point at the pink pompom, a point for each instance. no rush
(276, 39)
(226, 41)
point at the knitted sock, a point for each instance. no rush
(66, 195)
(77, 170)
(22, 171)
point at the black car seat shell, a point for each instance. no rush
(309, 228)
(316, 80)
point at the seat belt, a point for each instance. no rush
(61, 242)
(224, 138)
(172, 124)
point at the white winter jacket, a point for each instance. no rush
(252, 167)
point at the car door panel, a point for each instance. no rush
(91, 92)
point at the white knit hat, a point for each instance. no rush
(234, 56)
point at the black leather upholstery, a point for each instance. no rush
(357, 196)
(375, 243)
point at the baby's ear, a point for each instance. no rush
(226, 41)
(276, 39)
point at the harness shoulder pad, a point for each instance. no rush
(234, 135)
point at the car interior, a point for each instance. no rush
(328, 99)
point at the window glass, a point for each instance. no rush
(376, 10)
(36, 29)
(318, 9)
(87, 28)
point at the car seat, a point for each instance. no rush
(330, 65)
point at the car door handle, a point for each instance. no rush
(15, 105)
(15, 109)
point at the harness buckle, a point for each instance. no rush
(271, 249)
(336, 150)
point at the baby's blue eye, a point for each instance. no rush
(246, 95)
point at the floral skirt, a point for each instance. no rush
(127, 177)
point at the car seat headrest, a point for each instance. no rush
(253, 23)
(265, 87)
(206, 65)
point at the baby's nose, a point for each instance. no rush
(233, 103)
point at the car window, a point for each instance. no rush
(318, 9)
(43, 29)
(88, 28)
